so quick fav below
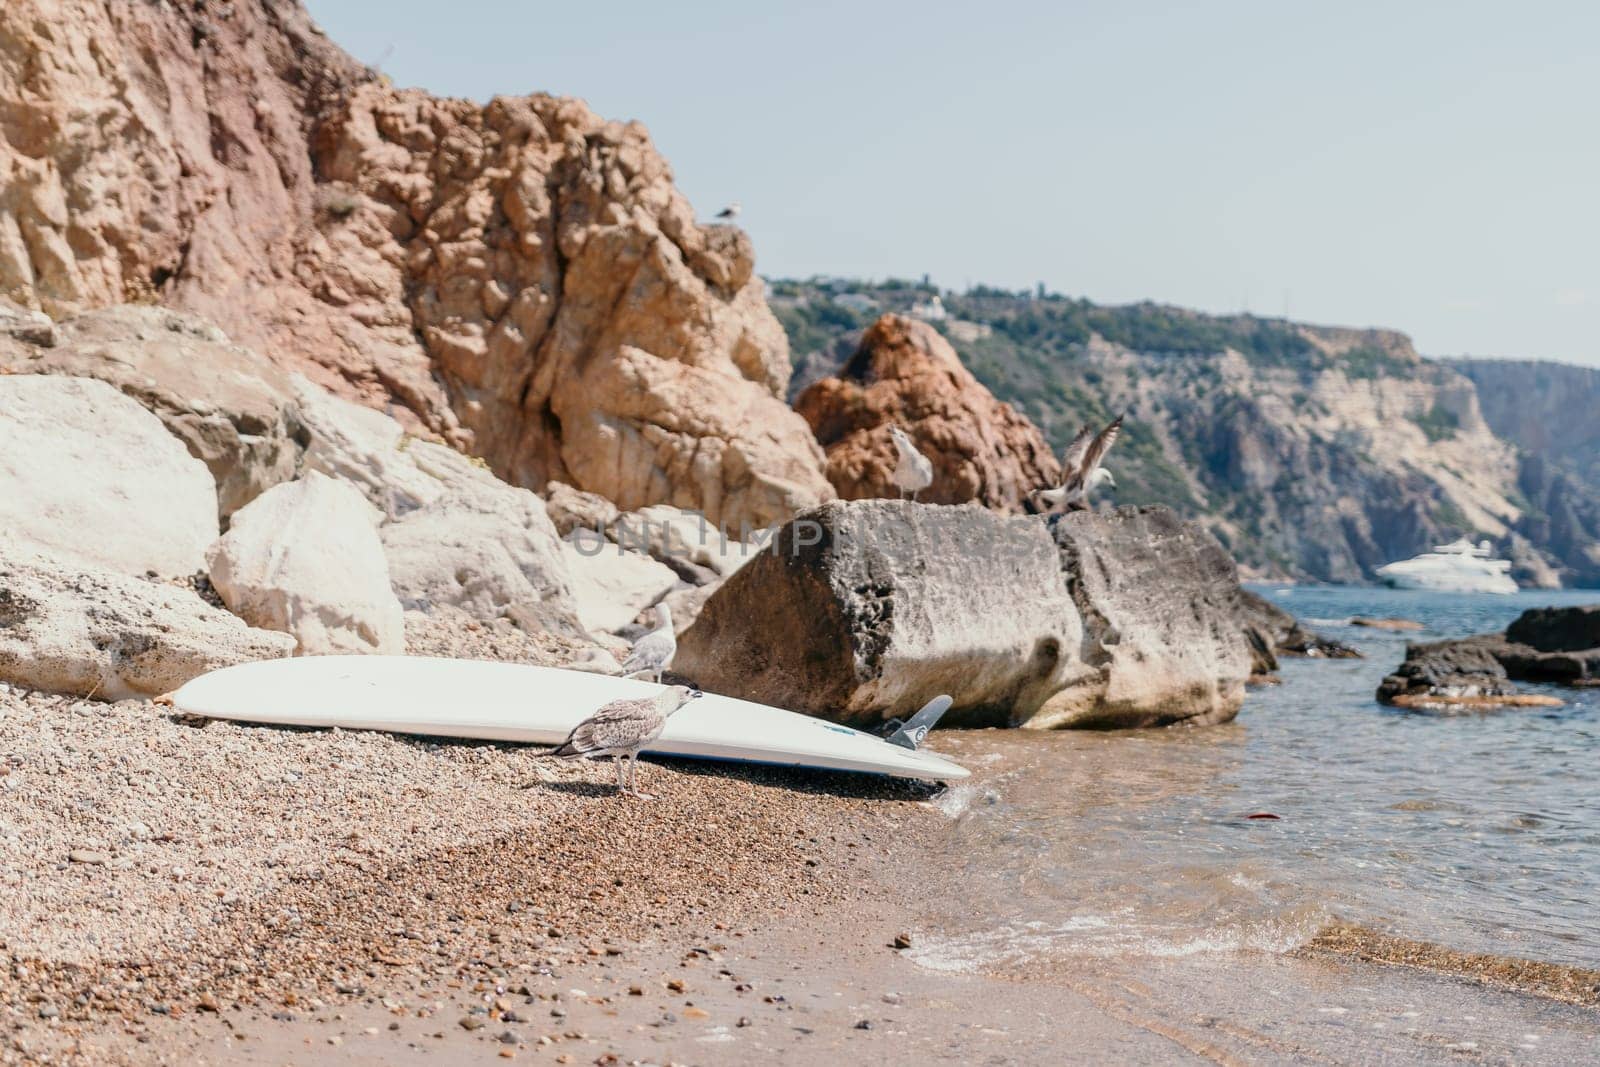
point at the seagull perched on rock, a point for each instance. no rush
(653, 652)
(1080, 464)
(621, 729)
(730, 212)
(914, 471)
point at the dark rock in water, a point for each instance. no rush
(1559, 645)
(865, 610)
(1573, 629)
(1462, 668)
(1272, 632)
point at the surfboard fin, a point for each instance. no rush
(914, 730)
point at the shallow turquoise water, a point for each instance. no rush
(1480, 832)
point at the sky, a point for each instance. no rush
(1432, 167)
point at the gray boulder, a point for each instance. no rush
(69, 629)
(1163, 622)
(90, 476)
(232, 408)
(864, 610)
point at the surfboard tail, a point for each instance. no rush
(914, 730)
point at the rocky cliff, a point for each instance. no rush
(904, 373)
(519, 278)
(1551, 412)
(1311, 452)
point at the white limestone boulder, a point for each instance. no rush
(90, 476)
(305, 558)
(492, 554)
(93, 633)
(455, 535)
(612, 585)
(230, 406)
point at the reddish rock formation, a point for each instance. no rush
(520, 278)
(906, 374)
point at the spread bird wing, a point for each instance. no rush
(1072, 458)
(620, 724)
(652, 650)
(1097, 451)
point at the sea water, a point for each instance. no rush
(1478, 832)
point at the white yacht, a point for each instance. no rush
(1459, 567)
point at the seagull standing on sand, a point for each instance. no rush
(1081, 466)
(621, 729)
(730, 212)
(914, 471)
(653, 652)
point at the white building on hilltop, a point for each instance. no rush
(930, 310)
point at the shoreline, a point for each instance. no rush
(736, 877)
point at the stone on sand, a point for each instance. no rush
(68, 629)
(1163, 621)
(88, 475)
(304, 558)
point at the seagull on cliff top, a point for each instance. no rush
(653, 652)
(621, 729)
(914, 471)
(1080, 464)
(730, 212)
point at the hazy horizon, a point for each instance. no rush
(1422, 170)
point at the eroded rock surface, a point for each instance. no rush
(905, 373)
(1163, 628)
(1550, 645)
(520, 278)
(88, 632)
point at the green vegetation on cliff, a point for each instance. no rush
(1280, 436)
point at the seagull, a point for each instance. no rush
(1080, 464)
(653, 652)
(914, 471)
(730, 212)
(621, 729)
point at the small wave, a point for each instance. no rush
(955, 801)
(1090, 935)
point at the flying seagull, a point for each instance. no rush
(653, 652)
(1080, 465)
(730, 212)
(914, 471)
(621, 729)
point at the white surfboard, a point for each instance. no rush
(540, 705)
